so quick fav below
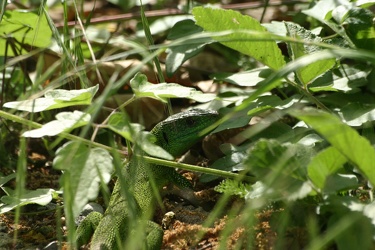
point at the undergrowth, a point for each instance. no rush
(299, 93)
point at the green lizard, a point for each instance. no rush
(176, 135)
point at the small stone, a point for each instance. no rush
(168, 219)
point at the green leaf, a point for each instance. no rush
(322, 10)
(280, 169)
(345, 79)
(133, 132)
(65, 121)
(344, 138)
(260, 105)
(353, 205)
(365, 3)
(145, 141)
(308, 140)
(309, 72)
(177, 55)
(325, 163)
(290, 189)
(245, 78)
(41, 196)
(118, 123)
(341, 182)
(269, 156)
(359, 27)
(341, 99)
(231, 162)
(84, 169)
(214, 20)
(7, 178)
(239, 119)
(357, 113)
(54, 99)
(347, 217)
(275, 27)
(163, 24)
(182, 29)
(162, 91)
(26, 28)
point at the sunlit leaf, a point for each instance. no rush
(245, 78)
(342, 137)
(163, 91)
(41, 196)
(309, 72)
(54, 99)
(65, 121)
(26, 28)
(344, 78)
(267, 52)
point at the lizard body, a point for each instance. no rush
(142, 183)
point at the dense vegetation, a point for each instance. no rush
(293, 149)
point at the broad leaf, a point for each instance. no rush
(162, 91)
(322, 10)
(40, 196)
(280, 168)
(344, 78)
(309, 72)
(177, 55)
(325, 163)
(163, 24)
(341, 182)
(214, 20)
(346, 217)
(269, 157)
(65, 121)
(119, 123)
(230, 162)
(344, 138)
(26, 28)
(5, 179)
(84, 169)
(357, 113)
(54, 99)
(360, 28)
(245, 78)
(133, 132)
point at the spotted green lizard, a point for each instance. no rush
(176, 135)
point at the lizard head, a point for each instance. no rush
(179, 132)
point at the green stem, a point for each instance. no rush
(148, 159)
(194, 168)
(35, 125)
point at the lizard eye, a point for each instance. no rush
(190, 121)
(165, 136)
